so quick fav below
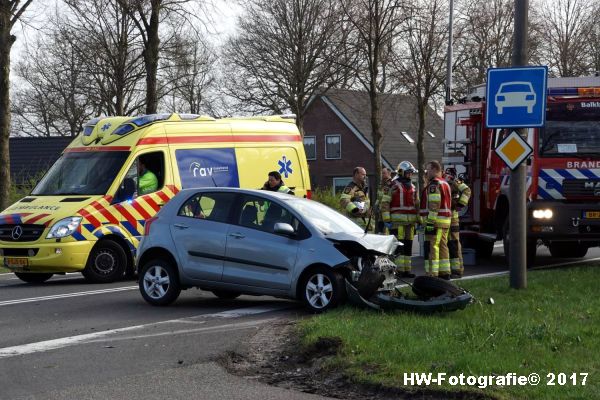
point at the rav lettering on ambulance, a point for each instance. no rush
(583, 164)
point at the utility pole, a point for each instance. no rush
(450, 56)
(518, 176)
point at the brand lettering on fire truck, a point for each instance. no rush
(583, 164)
(590, 104)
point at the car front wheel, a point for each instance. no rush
(322, 289)
(159, 283)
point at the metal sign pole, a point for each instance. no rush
(518, 185)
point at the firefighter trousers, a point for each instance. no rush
(455, 249)
(437, 261)
(405, 234)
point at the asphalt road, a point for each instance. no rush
(67, 339)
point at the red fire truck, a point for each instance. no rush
(563, 172)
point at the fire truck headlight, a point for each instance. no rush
(543, 214)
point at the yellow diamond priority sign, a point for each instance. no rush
(513, 150)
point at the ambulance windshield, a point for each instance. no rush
(81, 173)
(572, 130)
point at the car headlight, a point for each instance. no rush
(543, 214)
(64, 227)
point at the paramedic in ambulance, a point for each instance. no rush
(147, 181)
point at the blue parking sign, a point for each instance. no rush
(516, 97)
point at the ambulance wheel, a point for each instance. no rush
(531, 246)
(106, 263)
(33, 278)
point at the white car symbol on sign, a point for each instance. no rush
(515, 94)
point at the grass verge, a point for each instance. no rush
(552, 327)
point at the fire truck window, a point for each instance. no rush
(501, 134)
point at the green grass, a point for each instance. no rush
(551, 327)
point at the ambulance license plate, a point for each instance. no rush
(591, 214)
(16, 263)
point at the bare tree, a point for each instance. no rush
(484, 32)
(108, 43)
(54, 98)
(420, 62)
(567, 26)
(285, 52)
(148, 16)
(189, 70)
(375, 26)
(10, 12)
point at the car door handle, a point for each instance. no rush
(181, 226)
(237, 235)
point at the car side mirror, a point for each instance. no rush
(282, 228)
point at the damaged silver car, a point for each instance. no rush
(234, 241)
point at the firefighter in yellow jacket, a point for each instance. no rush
(435, 215)
(355, 197)
(399, 213)
(460, 198)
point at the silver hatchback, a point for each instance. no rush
(234, 241)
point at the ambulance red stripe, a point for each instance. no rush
(123, 211)
(138, 207)
(111, 218)
(91, 219)
(218, 139)
(36, 218)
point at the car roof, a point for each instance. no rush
(263, 193)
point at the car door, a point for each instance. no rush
(255, 255)
(200, 234)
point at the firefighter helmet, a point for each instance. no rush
(406, 166)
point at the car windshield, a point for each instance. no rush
(324, 218)
(515, 88)
(571, 129)
(81, 173)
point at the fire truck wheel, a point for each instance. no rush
(106, 262)
(531, 246)
(568, 249)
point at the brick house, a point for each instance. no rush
(337, 135)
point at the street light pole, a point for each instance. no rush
(518, 177)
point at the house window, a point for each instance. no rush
(333, 147)
(407, 137)
(310, 147)
(339, 184)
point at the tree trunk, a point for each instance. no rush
(151, 59)
(377, 137)
(421, 106)
(6, 42)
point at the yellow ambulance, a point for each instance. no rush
(88, 213)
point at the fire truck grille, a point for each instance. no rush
(21, 232)
(581, 188)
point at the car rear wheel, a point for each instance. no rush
(226, 294)
(106, 263)
(159, 283)
(33, 278)
(322, 289)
